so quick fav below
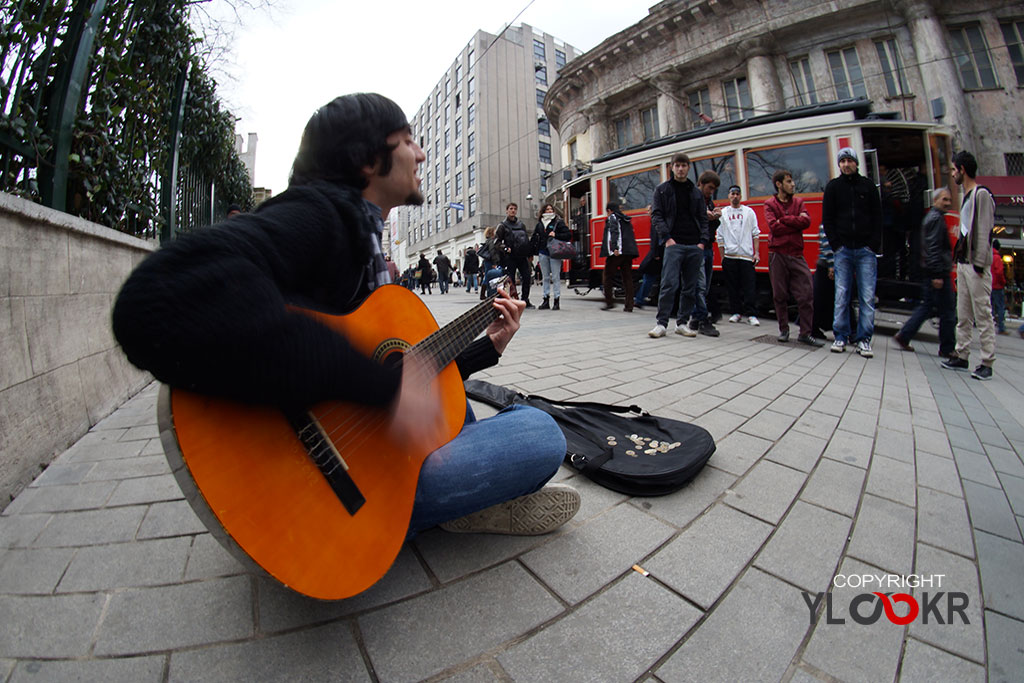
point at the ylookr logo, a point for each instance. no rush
(867, 608)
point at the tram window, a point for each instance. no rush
(807, 161)
(634, 190)
(724, 166)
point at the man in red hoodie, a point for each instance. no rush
(787, 267)
(998, 285)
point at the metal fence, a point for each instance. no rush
(92, 111)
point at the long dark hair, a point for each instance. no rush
(540, 214)
(345, 135)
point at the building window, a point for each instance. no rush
(458, 74)
(700, 105)
(1013, 34)
(458, 184)
(970, 52)
(458, 102)
(573, 150)
(458, 128)
(471, 144)
(447, 112)
(470, 87)
(447, 164)
(541, 74)
(545, 152)
(649, 117)
(447, 86)
(622, 135)
(803, 82)
(471, 173)
(1014, 163)
(472, 205)
(470, 114)
(892, 67)
(543, 184)
(738, 104)
(438, 102)
(471, 59)
(540, 97)
(544, 127)
(447, 191)
(447, 139)
(437, 172)
(559, 59)
(846, 73)
(458, 154)
(538, 49)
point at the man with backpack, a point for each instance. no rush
(515, 242)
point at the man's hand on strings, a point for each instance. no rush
(416, 412)
(502, 329)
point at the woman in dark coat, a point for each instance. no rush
(618, 247)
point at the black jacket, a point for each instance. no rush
(936, 250)
(471, 262)
(556, 228)
(852, 213)
(663, 212)
(619, 224)
(210, 312)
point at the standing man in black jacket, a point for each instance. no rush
(214, 313)
(679, 214)
(511, 234)
(936, 286)
(852, 215)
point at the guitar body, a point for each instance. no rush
(250, 478)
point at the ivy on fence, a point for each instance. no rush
(122, 137)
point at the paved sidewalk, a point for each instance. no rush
(826, 465)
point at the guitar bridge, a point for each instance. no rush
(327, 459)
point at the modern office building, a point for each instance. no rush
(487, 142)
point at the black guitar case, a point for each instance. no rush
(621, 448)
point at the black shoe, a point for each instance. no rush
(708, 330)
(784, 336)
(810, 341)
(607, 307)
(556, 307)
(982, 372)
(955, 363)
(545, 305)
(529, 305)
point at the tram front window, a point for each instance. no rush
(634, 190)
(809, 162)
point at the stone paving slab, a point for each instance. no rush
(827, 466)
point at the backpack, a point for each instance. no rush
(516, 240)
(624, 449)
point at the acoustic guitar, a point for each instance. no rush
(320, 500)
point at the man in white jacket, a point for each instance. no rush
(738, 241)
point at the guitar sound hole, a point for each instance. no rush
(393, 359)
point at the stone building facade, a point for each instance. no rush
(487, 142)
(690, 62)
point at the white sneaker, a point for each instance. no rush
(658, 331)
(734, 318)
(754, 321)
(686, 330)
(864, 349)
(535, 513)
(838, 346)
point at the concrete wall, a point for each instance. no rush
(60, 369)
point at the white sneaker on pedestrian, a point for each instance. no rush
(864, 349)
(686, 330)
(838, 346)
(535, 513)
(658, 331)
(754, 321)
(734, 318)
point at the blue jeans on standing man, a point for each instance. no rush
(862, 263)
(471, 282)
(492, 460)
(681, 268)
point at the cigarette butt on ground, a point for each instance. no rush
(640, 570)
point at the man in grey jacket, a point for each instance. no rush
(973, 256)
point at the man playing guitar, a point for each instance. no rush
(219, 313)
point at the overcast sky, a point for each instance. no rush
(309, 51)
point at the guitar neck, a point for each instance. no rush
(444, 345)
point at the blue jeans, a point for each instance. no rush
(862, 262)
(999, 309)
(941, 300)
(471, 282)
(550, 269)
(700, 310)
(493, 460)
(681, 268)
(644, 290)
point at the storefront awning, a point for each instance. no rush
(1006, 189)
